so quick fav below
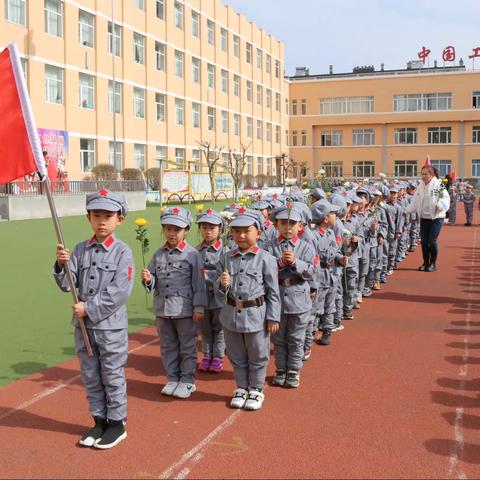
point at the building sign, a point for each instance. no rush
(55, 144)
(448, 54)
(175, 181)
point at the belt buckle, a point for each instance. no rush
(238, 304)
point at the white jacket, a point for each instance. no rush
(433, 195)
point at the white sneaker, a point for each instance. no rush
(169, 388)
(239, 398)
(254, 400)
(359, 298)
(184, 390)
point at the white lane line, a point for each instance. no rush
(50, 391)
(454, 469)
(198, 451)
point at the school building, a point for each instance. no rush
(371, 121)
(151, 77)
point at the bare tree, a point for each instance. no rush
(237, 162)
(212, 155)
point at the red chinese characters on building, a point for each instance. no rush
(476, 53)
(424, 53)
(448, 54)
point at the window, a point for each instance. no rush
(197, 167)
(53, 17)
(86, 31)
(248, 52)
(439, 135)
(476, 100)
(259, 58)
(160, 56)
(236, 46)
(118, 97)
(86, 91)
(224, 163)
(249, 127)
(422, 101)
(286, 106)
(180, 158)
(277, 134)
(363, 136)
(224, 76)
(277, 69)
(160, 9)
(211, 118)
(331, 138)
(249, 90)
(268, 132)
(333, 169)
(139, 153)
(138, 48)
(476, 134)
(268, 63)
(294, 107)
(304, 106)
(304, 138)
(259, 94)
(195, 70)
(160, 106)
(24, 63)
(196, 115)
(329, 106)
(363, 169)
(210, 32)
(195, 24)
(259, 166)
(160, 155)
(138, 102)
(268, 98)
(294, 138)
(53, 84)
(249, 165)
(405, 168)
(236, 85)
(224, 121)
(287, 139)
(87, 154)
(178, 15)
(475, 168)
(115, 159)
(259, 130)
(139, 4)
(179, 111)
(114, 39)
(277, 102)
(443, 166)
(405, 136)
(15, 11)
(224, 40)
(210, 76)
(179, 64)
(236, 124)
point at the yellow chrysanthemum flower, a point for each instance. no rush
(141, 222)
(200, 208)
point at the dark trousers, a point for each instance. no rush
(429, 232)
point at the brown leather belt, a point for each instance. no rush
(240, 304)
(287, 282)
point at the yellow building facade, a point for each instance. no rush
(366, 122)
(174, 72)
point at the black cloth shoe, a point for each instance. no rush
(423, 268)
(95, 433)
(347, 314)
(431, 268)
(325, 340)
(112, 436)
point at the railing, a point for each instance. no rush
(71, 187)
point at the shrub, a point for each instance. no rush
(104, 171)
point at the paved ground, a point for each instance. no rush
(395, 396)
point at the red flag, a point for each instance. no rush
(427, 161)
(20, 150)
(453, 176)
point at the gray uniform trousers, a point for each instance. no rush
(375, 268)
(350, 280)
(103, 375)
(178, 347)
(363, 267)
(337, 315)
(213, 338)
(469, 213)
(392, 253)
(249, 353)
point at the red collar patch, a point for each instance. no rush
(267, 223)
(218, 244)
(255, 249)
(293, 240)
(107, 243)
(322, 231)
(181, 246)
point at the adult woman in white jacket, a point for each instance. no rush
(430, 202)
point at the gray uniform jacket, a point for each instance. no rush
(211, 257)
(468, 199)
(328, 254)
(103, 274)
(382, 229)
(308, 236)
(178, 281)
(352, 224)
(252, 274)
(295, 298)
(391, 211)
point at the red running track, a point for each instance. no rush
(396, 395)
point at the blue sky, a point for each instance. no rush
(346, 33)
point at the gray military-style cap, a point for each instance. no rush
(321, 209)
(261, 205)
(108, 201)
(295, 214)
(210, 216)
(318, 193)
(177, 216)
(246, 217)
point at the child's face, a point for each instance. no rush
(392, 198)
(245, 237)
(330, 219)
(288, 229)
(354, 208)
(174, 235)
(265, 213)
(209, 232)
(104, 223)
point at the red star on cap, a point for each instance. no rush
(275, 195)
(209, 210)
(242, 210)
(176, 210)
(345, 194)
(104, 192)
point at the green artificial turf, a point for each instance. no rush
(35, 330)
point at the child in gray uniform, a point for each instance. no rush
(103, 272)
(252, 309)
(176, 274)
(213, 342)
